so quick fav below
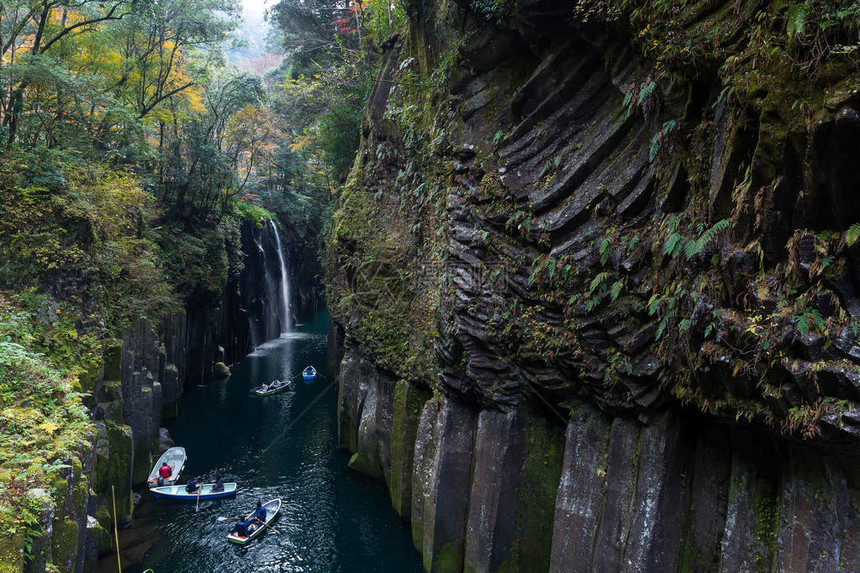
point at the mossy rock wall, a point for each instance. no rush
(11, 556)
(408, 401)
(113, 467)
(639, 217)
(527, 490)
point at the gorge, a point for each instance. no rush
(591, 272)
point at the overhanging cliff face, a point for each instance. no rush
(599, 306)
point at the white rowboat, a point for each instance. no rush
(273, 507)
(175, 458)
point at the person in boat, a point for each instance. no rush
(260, 514)
(264, 387)
(241, 528)
(275, 383)
(219, 484)
(164, 473)
(192, 486)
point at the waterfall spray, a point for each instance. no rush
(284, 298)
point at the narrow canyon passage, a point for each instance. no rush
(283, 445)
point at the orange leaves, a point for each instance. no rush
(251, 135)
(300, 143)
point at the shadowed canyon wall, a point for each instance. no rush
(597, 299)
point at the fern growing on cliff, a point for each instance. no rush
(694, 247)
(852, 234)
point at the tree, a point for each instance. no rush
(252, 135)
(154, 44)
(31, 29)
(311, 36)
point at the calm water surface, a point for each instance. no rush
(284, 445)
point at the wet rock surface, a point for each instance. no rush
(679, 491)
(593, 237)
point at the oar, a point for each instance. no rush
(222, 518)
(199, 487)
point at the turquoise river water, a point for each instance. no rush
(283, 445)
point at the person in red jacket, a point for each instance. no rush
(164, 473)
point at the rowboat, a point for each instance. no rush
(273, 507)
(309, 373)
(178, 492)
(175, 458)
(269, 390)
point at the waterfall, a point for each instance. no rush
(265, 287)
(284, 291)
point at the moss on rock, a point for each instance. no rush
(113, 467)
(220, 371)
(536, 511)
(362, 463)
(64, 544)
(408, 401)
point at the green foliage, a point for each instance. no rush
(615, 290)
(339, 128)
(796, 19)
(195, 261)
(852, 234)
(90, 224)
(694, 247)
(808, 318)
(253, 213)
(41, 422)
(673, 244)
(491, 10)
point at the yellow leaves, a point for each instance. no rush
(49, 427)
(193, 96)
(300, 143)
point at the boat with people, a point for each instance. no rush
(273, 388)
(252, 529)
(174, 458)
(204, 492)
(309, 373)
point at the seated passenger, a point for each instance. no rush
(164, 473)
(192, 486)
(240, 529)
(260, 513)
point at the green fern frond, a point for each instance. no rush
(673, 244)
(802, 323)
(691, 249)
(597, 280)
(653, 304)
(852, 234)
(615, 291)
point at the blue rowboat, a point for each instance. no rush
(178, 492)
(309, 373)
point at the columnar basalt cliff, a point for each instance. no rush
(594, 272)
